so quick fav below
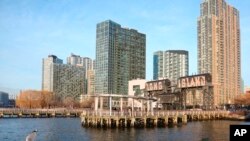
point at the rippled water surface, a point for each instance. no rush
(70, 129)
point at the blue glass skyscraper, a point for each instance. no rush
(120, 57)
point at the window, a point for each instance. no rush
(137, 90)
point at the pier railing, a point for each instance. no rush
(39, 110)
(16, 112)
(155, 113)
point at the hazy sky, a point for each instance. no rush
(32, 29)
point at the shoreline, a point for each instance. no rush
(79, 113)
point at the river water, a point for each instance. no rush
(70, 129)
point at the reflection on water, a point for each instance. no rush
(69, 129)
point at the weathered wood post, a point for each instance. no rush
(166, 121)
(121, 106)
(175, 120)
(132, 122)
(184, 119)
(155, 121)
(117, 122)
(101, 105)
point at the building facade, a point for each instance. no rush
(219, 48)
(120, 57)
(47, 72)
(68, 80)
(88, 65)
(158, 65)
(4, 99)
(170, 64)
(196, 91)
(62, 79)
(91, 82)
(76, 60)
(242, 86)
(136, 88)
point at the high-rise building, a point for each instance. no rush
(170, 64)
(62, 79)
(47, 72)
(87, 64)
(74, 59)
(4, 99)
(219, 48)
(90, 82)
(242, 86)
(120, 57)
(158, 65)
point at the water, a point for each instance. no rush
(70, 129)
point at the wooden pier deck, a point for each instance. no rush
(147, 119)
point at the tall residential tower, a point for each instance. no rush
(62, 79)
(77, 60)
(120, 57)
(219, 48)
(88, 66)
(170, 64)
(47, 71)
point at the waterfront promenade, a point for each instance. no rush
(39, 113)
(114, 118)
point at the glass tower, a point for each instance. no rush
(170, 64)
(120, 57)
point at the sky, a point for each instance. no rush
(32, 29)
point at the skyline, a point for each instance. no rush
(31, 30)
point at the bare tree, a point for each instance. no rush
(87, 103)
(243, 100)
(33, 99)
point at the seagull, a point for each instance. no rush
(31, 136)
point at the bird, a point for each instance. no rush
(31, 136)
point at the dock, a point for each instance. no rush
(147, 119)
(145, 116)
(39, 113)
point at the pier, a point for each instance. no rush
(146, 116)
(147, 119)
(38, 113)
